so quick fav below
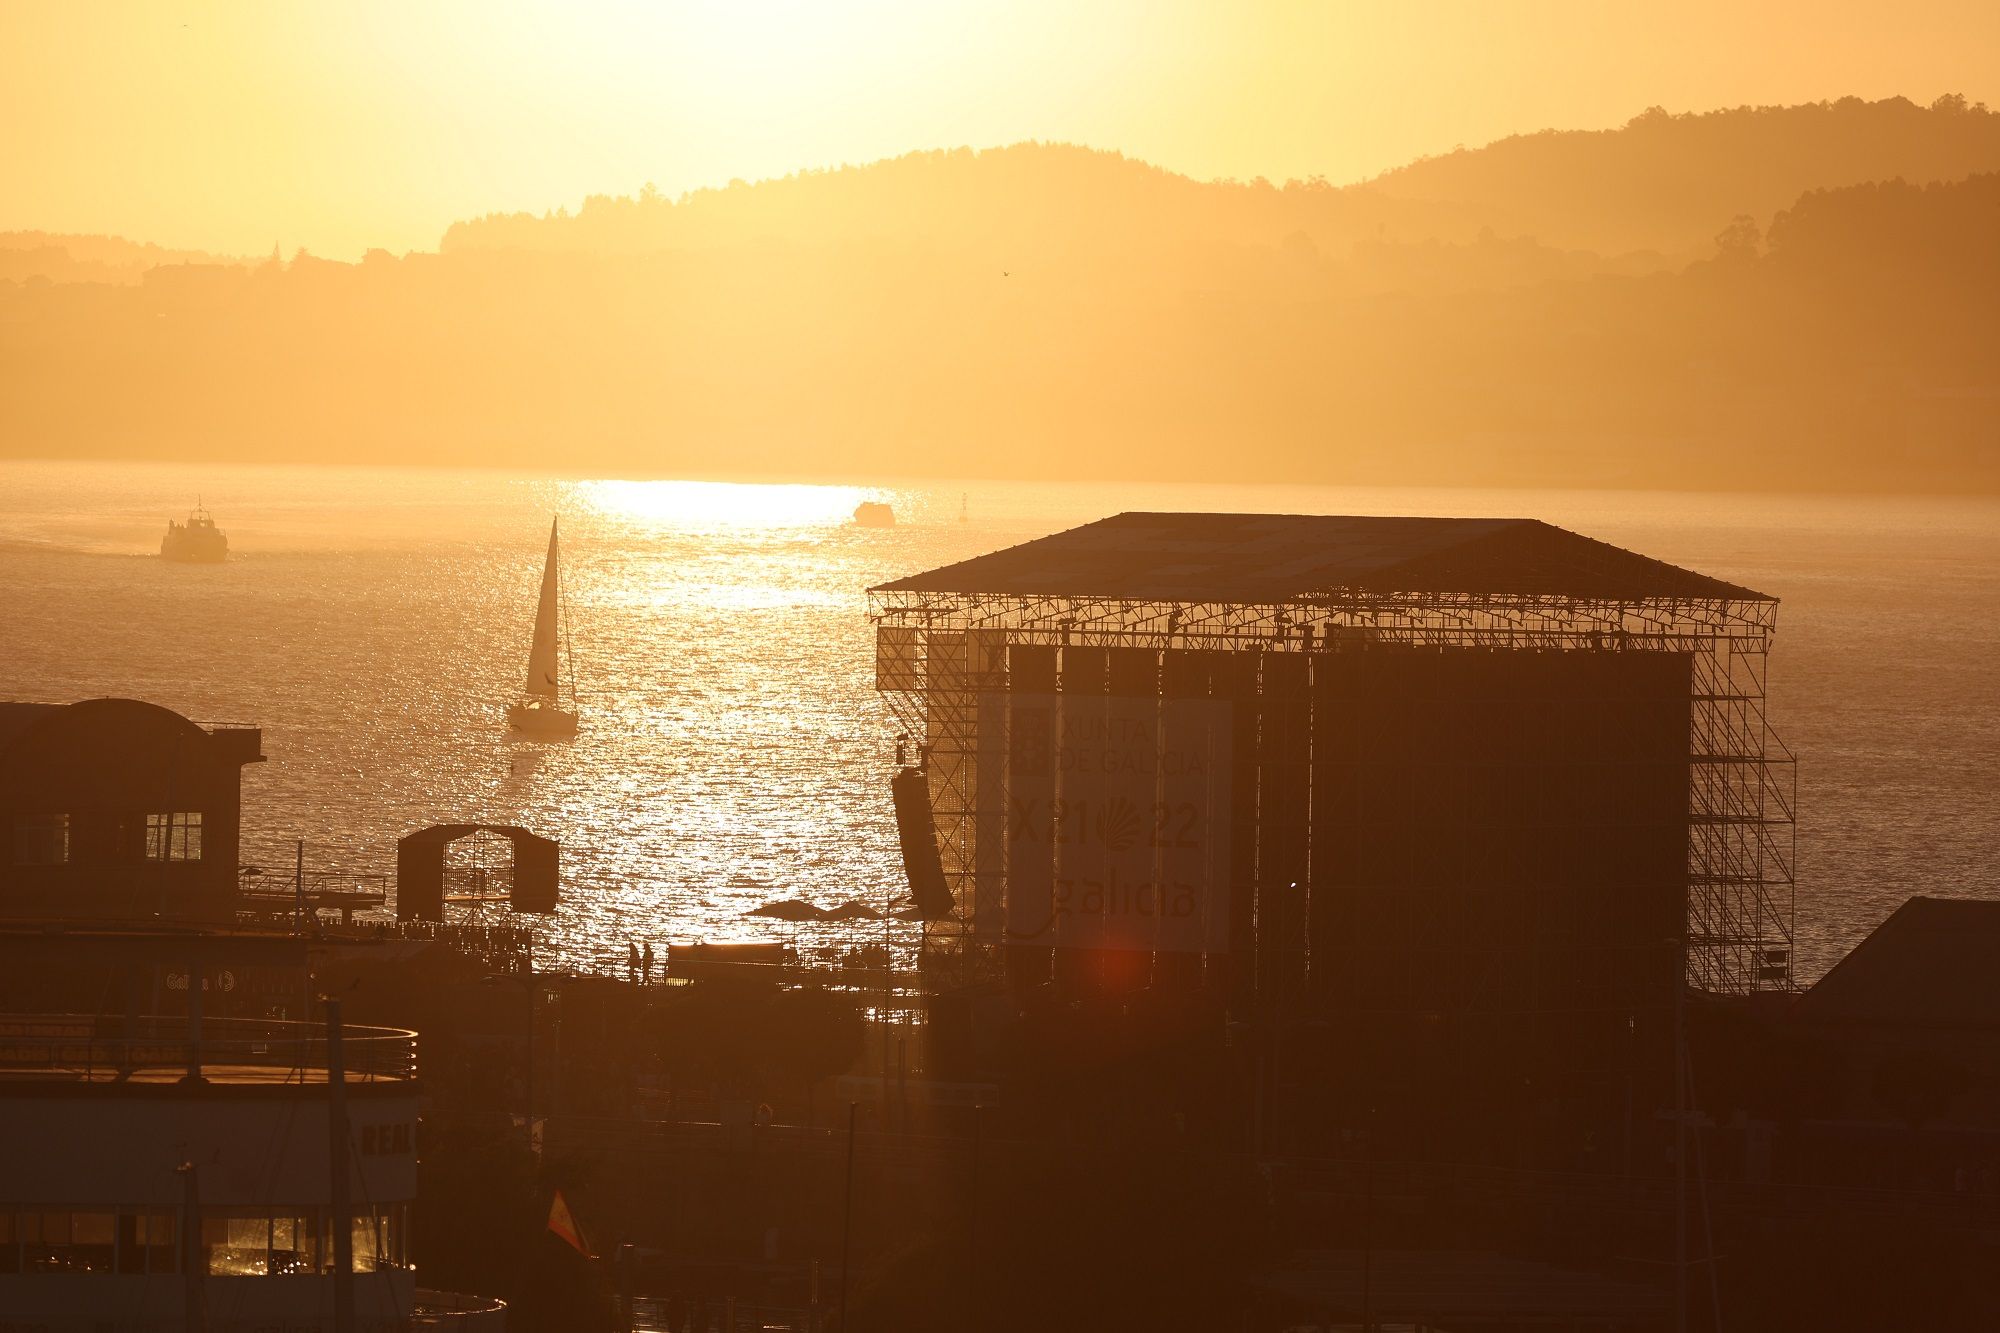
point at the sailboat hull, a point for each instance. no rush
(545, 722)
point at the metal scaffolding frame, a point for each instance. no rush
(936, 652)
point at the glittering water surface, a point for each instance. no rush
(733, 750)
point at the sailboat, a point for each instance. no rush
(540, 711)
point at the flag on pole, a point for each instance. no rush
(565, 1225)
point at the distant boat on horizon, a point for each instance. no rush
(540, 711)
(196, 542)
(874, 514)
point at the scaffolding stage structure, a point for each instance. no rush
(1286, 597)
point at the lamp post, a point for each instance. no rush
(337, 1148)
(975, 1315)
(194, 1259)
(847, 1217)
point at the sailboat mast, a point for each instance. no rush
(568, 648)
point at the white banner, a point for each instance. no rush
(1117, 820)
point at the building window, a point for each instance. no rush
(87, 1240)
(240, 1242)
(41, 840)
(94, 1240)
(146, 1243)
(174, 837)
(381, 1237)
(44, 1242)
(235, 1242)
(295, 1242)
(67, 1242)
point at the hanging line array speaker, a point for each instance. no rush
(918, 834)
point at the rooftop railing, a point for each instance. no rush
(110, 1048)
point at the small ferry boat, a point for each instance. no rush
(540, 712)
(198, 541)
(874, 514)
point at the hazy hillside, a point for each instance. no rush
(1051, 312)
(1856, 351)
(1662, 180)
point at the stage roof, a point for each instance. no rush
(1272, 558)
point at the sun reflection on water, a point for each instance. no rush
(721, 504)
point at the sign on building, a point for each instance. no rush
(1116, 821)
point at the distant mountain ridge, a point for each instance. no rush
(1664, 183)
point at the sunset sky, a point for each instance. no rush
(234, 126)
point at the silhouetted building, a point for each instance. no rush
(105, 1232)
(1914, 1018)
(114, 808)
(173, 1165)
(1449, 800)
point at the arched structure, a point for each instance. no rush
(420, 869)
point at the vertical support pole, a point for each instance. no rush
(847, 1217)
(1680, 1139)
(1367, 1234)
(1708, 1258)
(1631, 1077)
(194, 987)
(299, 885)
(130, 1031)
(528, 1062)
(194, 1260)
(888, 998)
(337, 1168)
(976, 1314)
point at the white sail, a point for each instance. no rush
(542, 655)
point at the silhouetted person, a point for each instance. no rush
(631, 961)
(646, 964)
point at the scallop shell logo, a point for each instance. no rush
(1118, 824)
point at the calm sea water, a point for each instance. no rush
(733, 750)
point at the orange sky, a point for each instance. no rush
(234, 126)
